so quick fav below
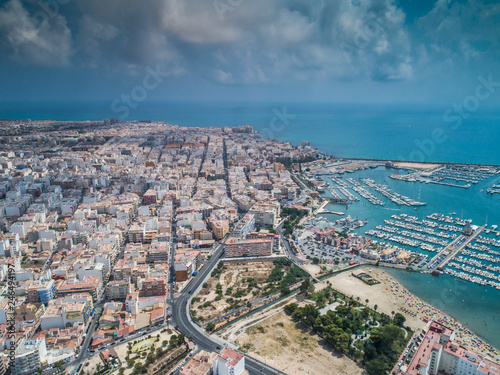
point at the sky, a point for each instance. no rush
(377, 51)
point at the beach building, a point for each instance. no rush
(438, 353)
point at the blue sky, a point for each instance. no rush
(379, 51)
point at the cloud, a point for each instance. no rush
(284, 43)
(254, 42)
(467, 31)
(42, 38)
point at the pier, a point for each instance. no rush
(337, 200)
(452, 249)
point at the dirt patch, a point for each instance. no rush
(291, 348)
(238, 284)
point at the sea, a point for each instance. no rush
(402, 132)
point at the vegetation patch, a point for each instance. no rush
(375, 339)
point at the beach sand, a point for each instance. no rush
(390, 296)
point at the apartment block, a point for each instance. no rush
(30, 356)
(236, 247)
(438, 353)
(117, 290)
(229, 362)
(244, 226)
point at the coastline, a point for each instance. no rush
(391, 296)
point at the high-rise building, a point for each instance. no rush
(29, 357)
(438, 353)
(245, 225)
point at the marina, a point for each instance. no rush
(424, 231)
(460, 176)
(495, 189)
(393, 196)
(358, 188)
(460, 248)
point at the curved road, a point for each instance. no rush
(204, 341)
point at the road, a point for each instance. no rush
(204, 341)
(288, 249)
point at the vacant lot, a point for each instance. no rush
(284, 344)
(137, 351)
(238, 284)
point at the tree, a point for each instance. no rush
(59, 365)
(309, 314)
(164, 343)
(180, 339)
(377, 366)
(138, 366)
(399, 319)
(337, 337)
(307, 287)
(375, 307)
(210, 327)
(130, 363)
(284, 291)
(150, 358)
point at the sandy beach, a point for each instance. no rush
(390, 296)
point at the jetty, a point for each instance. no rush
(441, 259)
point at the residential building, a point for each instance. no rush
(244, 226)
(236, 247)
(153, 286)
(30, 356)
(117, 290)
(267, 214)
(229, 362)
(220, 228)
(41, 291)
(438, 353)
(89, 284)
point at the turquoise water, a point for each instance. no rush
(346, 130)
(469, 203)
(478, 307)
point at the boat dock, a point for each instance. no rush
(321, 207)
(441, 259)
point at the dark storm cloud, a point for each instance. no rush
(257, 42)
